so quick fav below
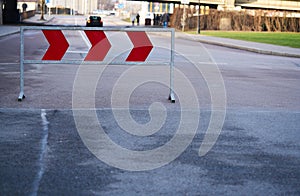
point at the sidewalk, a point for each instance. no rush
(12, 29)
(230, 43)
(36, 19)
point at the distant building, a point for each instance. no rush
(10, 9)
(289, 5)
(1, 13)
(10, 13)
(79, 6)
(30, 5)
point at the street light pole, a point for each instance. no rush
(198, 29)
(72, 8)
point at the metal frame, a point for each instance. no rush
(123, 29)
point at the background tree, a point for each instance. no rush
(42, 10)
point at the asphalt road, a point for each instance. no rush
(48, 146)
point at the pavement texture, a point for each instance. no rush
(246, 160)
(45, 152)
(230, 43)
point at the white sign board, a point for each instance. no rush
(48, 3)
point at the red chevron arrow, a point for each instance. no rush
(100, 45)
(58, 45)
(142, 46)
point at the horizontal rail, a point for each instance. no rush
(79, 62)
(97, 28)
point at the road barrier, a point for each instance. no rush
(100, 46)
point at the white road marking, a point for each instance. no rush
(213, 63)
(41, 161)
(85, 39)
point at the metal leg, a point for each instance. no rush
(21, 96)
(171, 96)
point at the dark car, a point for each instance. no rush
(94, 21)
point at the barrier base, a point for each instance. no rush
(21, 96)
(172, 97)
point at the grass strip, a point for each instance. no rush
(276, 38)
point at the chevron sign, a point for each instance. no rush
(58, 45)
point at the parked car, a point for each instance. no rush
(94, 21)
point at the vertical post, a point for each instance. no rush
(171, 96)
(150, 7)
(72, 8)
(21, 95)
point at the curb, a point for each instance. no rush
(37, 23)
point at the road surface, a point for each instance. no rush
(46, 141)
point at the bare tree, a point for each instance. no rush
(42, 10)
